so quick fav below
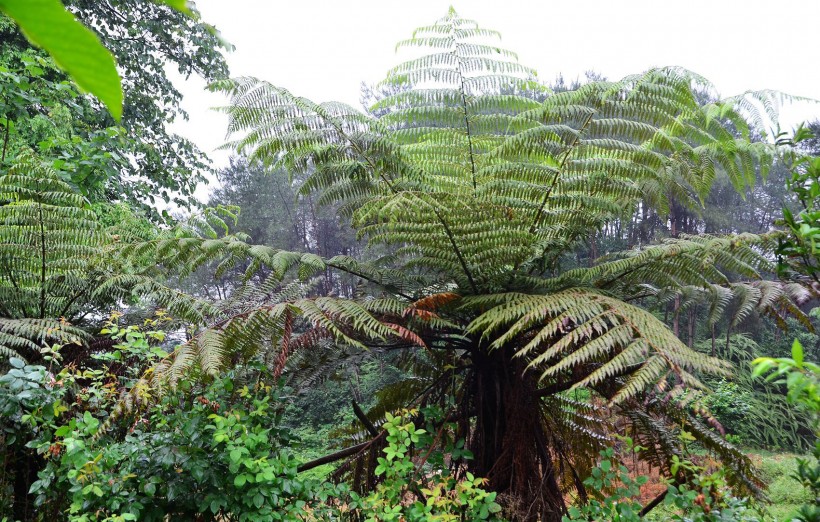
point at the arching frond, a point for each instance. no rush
(579, 327)
(48, 237)
(267, 328)
(677, 262)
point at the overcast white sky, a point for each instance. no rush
(324, 49)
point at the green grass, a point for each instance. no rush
(785, 493)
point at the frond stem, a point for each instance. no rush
(5, 141)
(467, 124)
(564, 386)
(653, 504)
(356, 146)
(76, 296)
(469, 138)
(370, 279)
(554, 181)
(456, 250)
(360, 150)
(333, 457)
(43, 262)
(5, 310)
(371, 429)
(441, 219)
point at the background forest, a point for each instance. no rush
(475, 297)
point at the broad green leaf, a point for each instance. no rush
(797, 353)
(761, 366)
(58, 408)
(236, 454)
(75, 48)
(179, 5)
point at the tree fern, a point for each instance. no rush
(46, 238)
(482, 191)
(60, 268)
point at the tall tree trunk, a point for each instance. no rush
(644, 227)
(673, 222)
(593, 249)
(676, 317)
(713, 340)
(692, 316)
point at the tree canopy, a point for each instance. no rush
(135, 158)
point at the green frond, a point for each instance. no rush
(577, 327)
(49, 240)
(252, 324)
(25, 337)
(688, 260)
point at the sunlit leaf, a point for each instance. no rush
(75, 48)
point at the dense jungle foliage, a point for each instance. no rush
(477, 297)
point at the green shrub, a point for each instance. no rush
(730, 404)
(706, 498)
(213, 449)
(410, 493)
(209, 448)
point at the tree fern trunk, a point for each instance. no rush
(25, 470)
(509, 443)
